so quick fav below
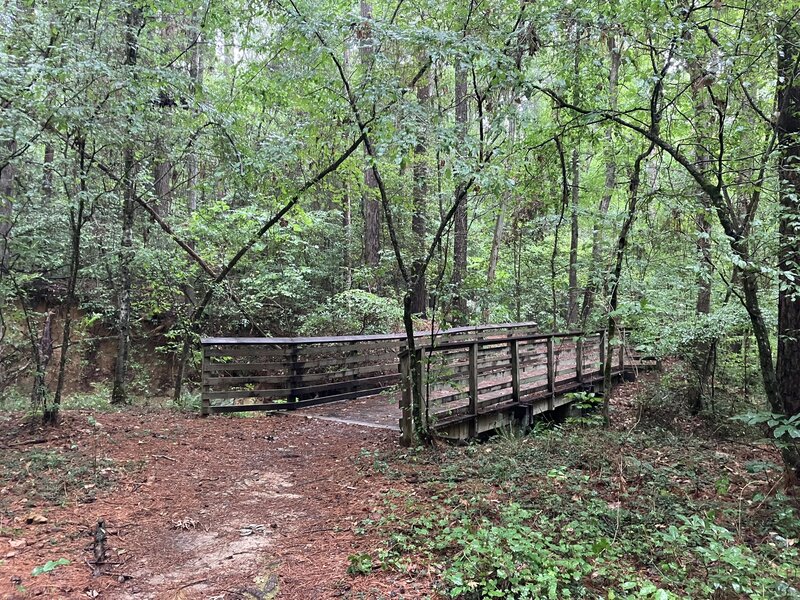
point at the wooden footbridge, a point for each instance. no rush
(474, 379)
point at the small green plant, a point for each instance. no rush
(783, 428)
(49, 566)
(586, 404)
(360, 564)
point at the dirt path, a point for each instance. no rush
(199, 508)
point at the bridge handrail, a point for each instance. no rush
(400, 337)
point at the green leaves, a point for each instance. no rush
(49, 566)
(783, 427)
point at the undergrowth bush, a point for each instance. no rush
(577, 512)
(354, 312)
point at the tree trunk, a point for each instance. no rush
(347, 224)
(622, 242)
(615, 52)
(8, 174)
(76, 219)
(494, 253)
(419, 294)
(47, 173)
(372, 206)
(460, 316)
(162, 176)
(572, 301)
(701, 351)
(196, 79)
(119, 392)
(788, 364)
(572, 296)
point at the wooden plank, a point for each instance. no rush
(306, 364)
(501, 328)
(406, 421)
(551, 378)
(473, 386)
(387, 380)
(205, 401)
(304, 378)
(306, 352)
(278, 406)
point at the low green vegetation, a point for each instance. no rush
(54, 476)
(575, 511)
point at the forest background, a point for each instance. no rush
(281, 168)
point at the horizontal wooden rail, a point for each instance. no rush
(289, 373)
(472, 386)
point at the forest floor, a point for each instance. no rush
(295, 507)
(193, 508)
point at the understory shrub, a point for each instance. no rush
(354, 312)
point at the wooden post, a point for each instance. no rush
(205, 401)
(579, 359)
(421, 384)
(473, 389)
(551, 374)
(294, 373)
(514, 347)
(603, 352)
(406, 416)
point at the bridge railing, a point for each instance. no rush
(242, 374)
(468, 387)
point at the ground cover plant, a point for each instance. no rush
(577, 511)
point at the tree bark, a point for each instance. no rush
(76, 220)
(615, 53)
(196, 79)
(622, 242)
(788, 125)
(371, 204)
(119, 392)
(8, 173)
(701, 352)
(572, 299)
(419, 294)
(47, 174)
(162, 175)
(572, 296)
(460, 316)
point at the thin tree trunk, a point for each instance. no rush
(347, 223)
(119, 392)
(460, 316)
(497, 233)
(196, 85)
(494, 253)
(47, 173)
(562, 159)
(615, 53)
(419, 295)
(701, 351)
(572, 297)
(372, 207)
(622, 242)
(788, 125)
(76, 219)
(8, 174)
(572, 300)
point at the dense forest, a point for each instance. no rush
(178, 169)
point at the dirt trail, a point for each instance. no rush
(219, 508)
